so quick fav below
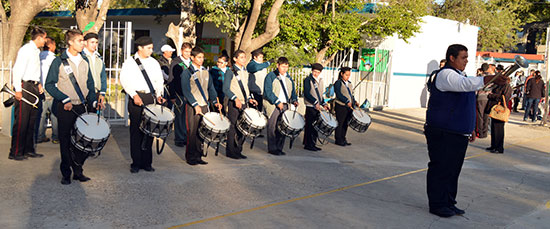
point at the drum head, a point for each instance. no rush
(215, 121)
(94, 129)
(329, 119)
(161, 113)
(295, 119)
(361, 116)
(255, 117)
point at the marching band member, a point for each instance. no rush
(238, 96)
(218, 74)
(313, 91)
(97, 67)
(344, 105)
(197, 89)
(141, 77)
(257, 69)
(177, 67)
(70, 83)
(279, 92)
(26, 75)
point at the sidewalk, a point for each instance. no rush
(378, 182)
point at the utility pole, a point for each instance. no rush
(545, 115)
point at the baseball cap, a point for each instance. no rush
(167, 48)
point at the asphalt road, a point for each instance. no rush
(378, 182)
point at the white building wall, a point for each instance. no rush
(413, 61)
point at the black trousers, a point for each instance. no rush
(260, 99)
(71, 158)
(343, 116)
(516, 103)
(446, 152)
(180, 130)
(142, 157)
(275, 140)
(235, 138)
(23, 130)
(193, 150)
(497, 135)
(310, 134)
(482, 119)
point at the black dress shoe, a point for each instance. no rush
(457, 211)
(33, 154)
(317, 148)
(443, 212)
(201, 162)
(496, 151)
(489, 148)
(65, 181)
(233, 156)
(134, 170)
(242, 156)
(180, 144)
(310, 148)
(192, 162)
(276, 153)
(348, 144)
(340, 144)
(11, 157)
(282, 153)
(81, 178)
(149, 169)
(18, 157)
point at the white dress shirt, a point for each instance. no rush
(449, 80)
(75, 59)
(132, 79)
(46, 58)
(281, 96)
(88, 53)
(27, 65)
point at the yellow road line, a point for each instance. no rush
(334, 190)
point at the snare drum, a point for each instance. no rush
(360, 120)
(213, 127)
(291, 124)
(90, 136)
(251, 123)
(326, 123)
(157, 121)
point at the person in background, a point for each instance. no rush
(257, 69)
(517, 88)
(165, 61)
(534, 91)
(217, 75)
(530, 76)
(179, 65)
(46, 58)
(482, 118)
(97, 67)
(497, 126)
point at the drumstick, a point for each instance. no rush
(80, 117)
(144, 107)
(207, 119)
(219, 110)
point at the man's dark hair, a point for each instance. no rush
(282, 60)
(342, 71)
(257, 52)
(196, 51)
(500, 67)
(237, 53)
(443, 61)
(484, 67)
(70, 34)
(316, 66)
(49, 42)
(90, 36)
(186, 45)
(454, 50)
(36, 32)
(224, 56)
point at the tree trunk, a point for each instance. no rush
(246, 42)
(185, 31)
(90, 13)
(12, 32)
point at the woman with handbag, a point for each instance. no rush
(499, 112)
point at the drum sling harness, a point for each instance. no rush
(70, 73)
(147, 142)
(196, 79)
(243, 91)
(283, 87)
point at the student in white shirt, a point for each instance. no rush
(46, 58)
(134, 83)
(26, 74)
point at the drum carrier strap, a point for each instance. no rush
(350, 95)
(321, 101)
(236, 73)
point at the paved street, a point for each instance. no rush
(378, 182)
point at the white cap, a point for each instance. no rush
(167, 48)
